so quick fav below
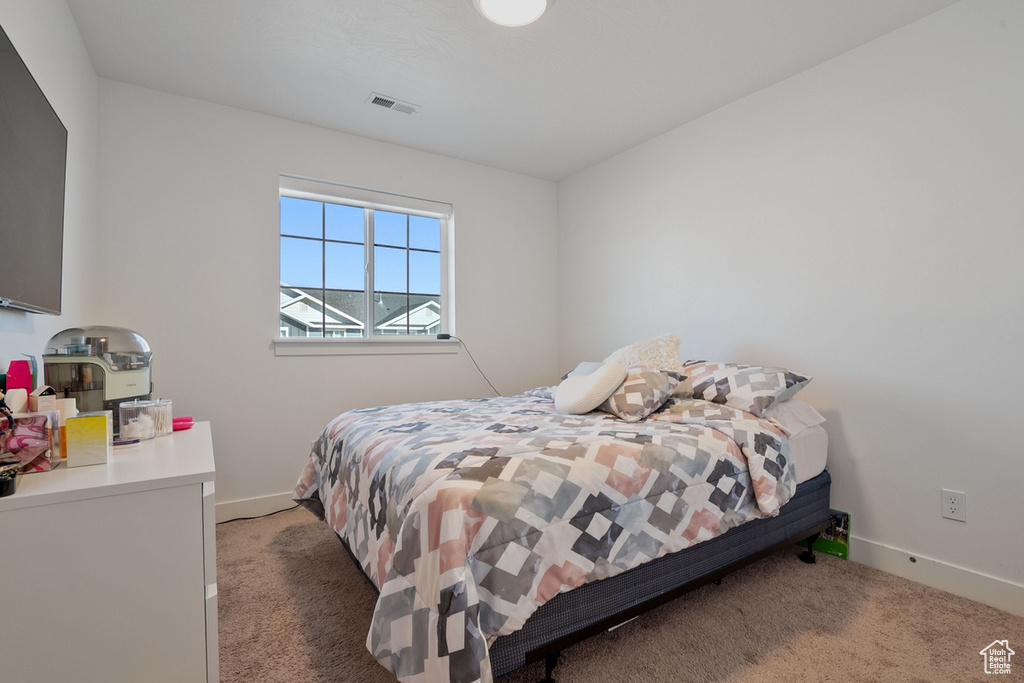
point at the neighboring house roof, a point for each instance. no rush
(308, 311)
(420, 317)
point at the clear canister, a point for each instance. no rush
(163, 417)
(138, 419)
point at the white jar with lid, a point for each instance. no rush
(137, 419)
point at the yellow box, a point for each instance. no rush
(90, 438)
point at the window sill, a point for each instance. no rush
(317, 346)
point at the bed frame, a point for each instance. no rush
(571, 617)
(575, 615)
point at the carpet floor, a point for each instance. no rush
(294, 609)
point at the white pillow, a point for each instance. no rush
(580, 394)
(660, 353)
(793, 416)
(584, 368)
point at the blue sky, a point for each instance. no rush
(396, 237)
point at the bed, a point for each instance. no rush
(499, 531)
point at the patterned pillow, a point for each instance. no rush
(659, 353)
(750, 388)
(641, 393)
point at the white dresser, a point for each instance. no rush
(108, 573)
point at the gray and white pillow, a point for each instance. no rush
(750, 388)
(642, 392)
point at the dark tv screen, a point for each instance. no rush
(33, 160)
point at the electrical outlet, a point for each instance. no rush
(954, 505)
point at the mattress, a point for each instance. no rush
(809, 451)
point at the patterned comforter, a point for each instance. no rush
(468, 515)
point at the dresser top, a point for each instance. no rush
(181, 458)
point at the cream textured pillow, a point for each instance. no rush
(582, 393)
(659, 353)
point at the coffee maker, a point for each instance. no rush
(100, 367)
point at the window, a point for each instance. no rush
(357, 263)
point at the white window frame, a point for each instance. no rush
(301, 187)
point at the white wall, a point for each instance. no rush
(861, 222)
(47, 39)
(189, 220)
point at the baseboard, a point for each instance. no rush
(990, 590)
(253, 507)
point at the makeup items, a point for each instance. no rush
(138, 419)
(163, 416)
(66, 408)
(17, 400)
(9, 475)
(90, 438)
(31, 441)
(183, 422)
(19, 376)
(99, 366)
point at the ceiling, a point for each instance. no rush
(590, 79)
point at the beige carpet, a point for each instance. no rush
(294, 609)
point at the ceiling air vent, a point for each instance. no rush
(392, 103)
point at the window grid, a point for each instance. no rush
(373, 324)
(408, 293)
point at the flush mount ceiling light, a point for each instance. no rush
(511, 12)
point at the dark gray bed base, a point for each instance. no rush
(571, 617)
(578, 614)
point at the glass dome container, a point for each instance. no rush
(117, 347)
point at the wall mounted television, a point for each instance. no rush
(33, 161)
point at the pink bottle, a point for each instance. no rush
(19, 376)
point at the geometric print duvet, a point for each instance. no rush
(468, 515)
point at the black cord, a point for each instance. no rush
(275, 512)
(470, 354)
